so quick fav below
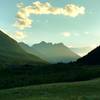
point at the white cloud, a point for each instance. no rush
(38, 8)
(46, 8)
(19, 35)
(66, 34)
(73, 10)
(23, 23)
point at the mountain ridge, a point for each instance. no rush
(53, 53)
(12, 53)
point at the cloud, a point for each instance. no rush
(46, 8)
(23, 23)
(73, 10)
(19, 35)
(66, 34)
(39, 8)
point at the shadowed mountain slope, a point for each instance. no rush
(12, 53)
(92, 58)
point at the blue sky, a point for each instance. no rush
(82, 30)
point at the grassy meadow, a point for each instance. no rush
(84, 90)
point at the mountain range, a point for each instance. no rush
(23, 60)
(12, 53)
(53, 53)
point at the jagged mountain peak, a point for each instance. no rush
(53, 52)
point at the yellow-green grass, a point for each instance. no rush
(86, 90)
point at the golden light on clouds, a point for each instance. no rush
(39, 8)
(19, 35)
(23, 23)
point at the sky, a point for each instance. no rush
(73, 22)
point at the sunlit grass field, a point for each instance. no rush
(86, 90)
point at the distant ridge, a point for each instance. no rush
(53, 53)
(28, 49)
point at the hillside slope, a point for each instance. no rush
(30, 50)
(12, 53)
(92, 58)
